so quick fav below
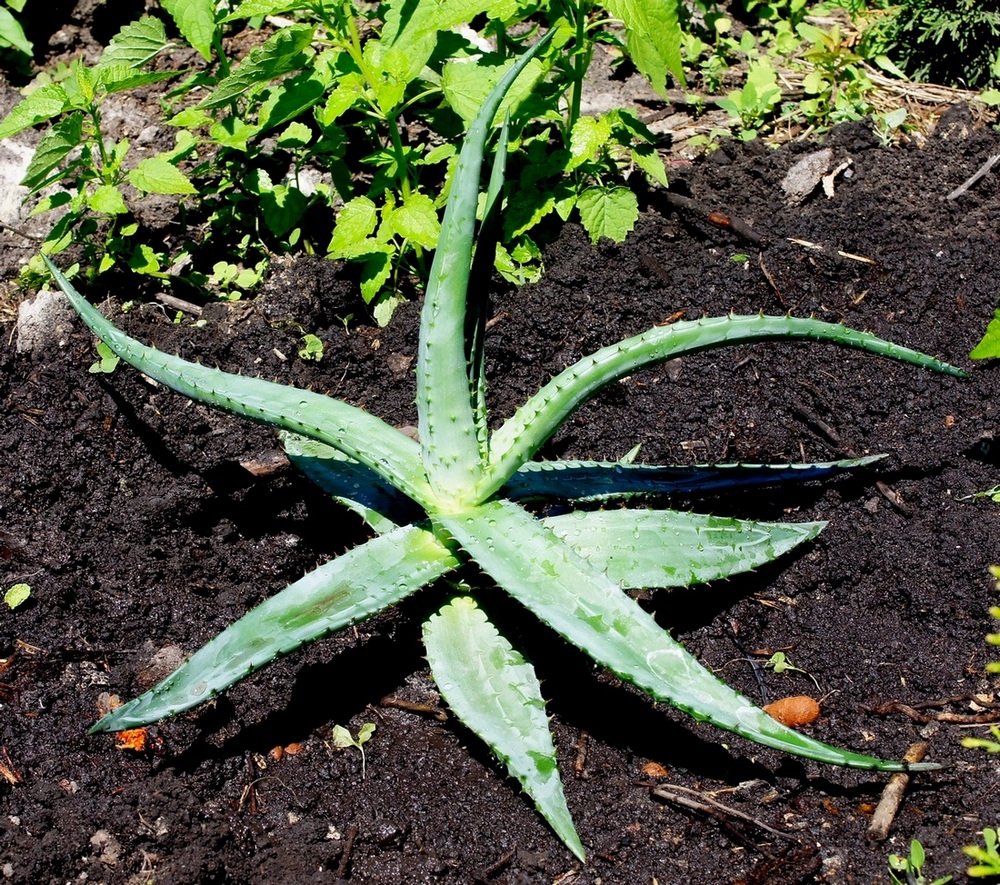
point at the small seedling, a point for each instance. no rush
(992, 494)
(108, 361)
(312, 348)
(987, 858)
(17, 595)
(912, 866)
(342, 740)
(780, 663)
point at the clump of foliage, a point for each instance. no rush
(952, 42)
(986, 857)
(264, 144)
(457, 501)
(912, 867)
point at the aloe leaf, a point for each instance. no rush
(586, 607)
(345, 590)
(599, 480)
(482, 267)
(496, 693)
(667, 548)
(444, 406)
(355, 486)
(541, 415)
(388, 452)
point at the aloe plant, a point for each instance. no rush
(460, 495)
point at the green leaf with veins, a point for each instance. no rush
(135, 44)
(653, 38)
(282, 53)
(43, 104)
(452, 499)
(195, 19)
(608, 212)
(157, 175)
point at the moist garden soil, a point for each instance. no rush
(145, 524)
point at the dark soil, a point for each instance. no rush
(132, 514)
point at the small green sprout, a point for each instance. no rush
(312, 348)
(779, 662)
(16, 595)
(342, 740)
(108, 361)
(993, 494)
(987, 859)
(913, 867)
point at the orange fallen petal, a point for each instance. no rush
(654, 769)
(132, 739)
(794, 711)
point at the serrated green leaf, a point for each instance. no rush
(652, 37)
(667, 548)
(356, 222)
(295, 135)
(233, 132)
(135, 44)
(144, 260)
(608, 212)
(282, 207)
(43, 104)
(350, 87)
(53, 201)
(255, 8)
(646, 157)
(465, 86)
(588, 139)
(416, 220)
(496, 693)
(107, 199)
(195, 19)
(291, 97)
(989, 347)
(12, 34)
(191, 118)
(56, 145)
(157, 175)
(410, 34)
(375, 274)
(121, 78)
(281, 54)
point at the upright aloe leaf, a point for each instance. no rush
(495, 692)
(445, 407)
(592, 612)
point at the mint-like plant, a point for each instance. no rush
(459, 496)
